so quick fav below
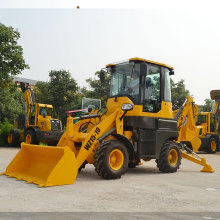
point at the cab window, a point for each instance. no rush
(32, 115)
(45, 111)
(167, 92)
(201, 119)
(152, 100)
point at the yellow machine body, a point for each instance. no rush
(107, 140)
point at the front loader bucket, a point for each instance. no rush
(43, 165)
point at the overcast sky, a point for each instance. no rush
(83, 41)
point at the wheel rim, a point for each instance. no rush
(28, 139)
(173, 157)
(10, 138)
(116, 159)
(213, 146)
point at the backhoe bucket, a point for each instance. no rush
(43, 165)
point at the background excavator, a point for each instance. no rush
(39, 124)
(138, 124)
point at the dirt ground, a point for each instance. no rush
(143, 189)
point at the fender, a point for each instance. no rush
(127, 143)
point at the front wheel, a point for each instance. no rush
(170, 158)
(30, 137)
(212, 146)
(111, 159)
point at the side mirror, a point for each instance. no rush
(102, 76)
(171, 72)
(127, 107)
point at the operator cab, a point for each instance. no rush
(144, 82)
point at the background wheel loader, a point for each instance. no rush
(138, 124)
(39, 124)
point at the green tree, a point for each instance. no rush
(207, 107)
(11, 54)
(5, 128)
(12, 105)
(179, 93)
(60, 91)
(41, 93)
(98, 90)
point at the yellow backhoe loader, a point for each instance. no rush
(39, 124)
(208, 124)
(199, 131)
(138, 124)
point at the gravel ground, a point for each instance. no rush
(143, 189)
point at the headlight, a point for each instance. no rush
(127, 107)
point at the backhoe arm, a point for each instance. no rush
(188, 132)
(186, 124)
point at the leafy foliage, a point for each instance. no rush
(97, 89)
(5, 128)
(60, 91)
(41, 93)
(12, 105)
(179, 93)
(207, 107)
(11, 54)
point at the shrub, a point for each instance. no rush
(5, 128)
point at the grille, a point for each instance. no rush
(55, 125)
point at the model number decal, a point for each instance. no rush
(92, 138)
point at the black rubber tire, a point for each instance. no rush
(33, 136)
(101, 163)
(82, 166)
(208, 148)
(163, 162)
(15, 138)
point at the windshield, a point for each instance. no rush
(45, 111)
(125, 81)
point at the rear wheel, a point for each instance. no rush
(30, 137)
(111, 159)
(13, 138)
(170, 158)
(212, 146)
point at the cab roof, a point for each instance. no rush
(144, 60)
(45, 105)
(215, 94)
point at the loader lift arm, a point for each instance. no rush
(59, 165)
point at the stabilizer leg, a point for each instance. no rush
(195, 158)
